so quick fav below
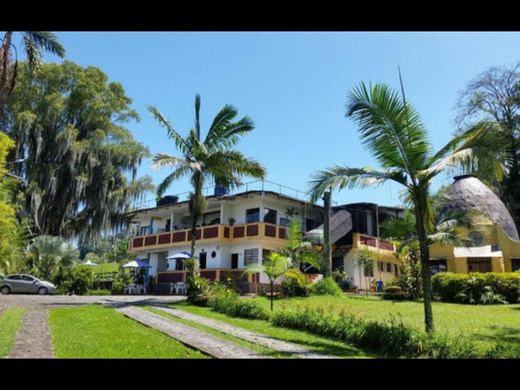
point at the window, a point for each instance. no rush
(388, 267)
(382, 266)
(284, 221)
(252, 215)
(145, 230)
(476, 238)
(396, 270)
(311, 224)
(265, 254)
(337, 263)
(515, 264)
(14, 277)
(270, 216)
(369, 271)
(438, 265)
(26, 278)
(250, 256)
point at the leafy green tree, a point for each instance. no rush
(80, 162)
(299, 251)
(212, 159)
(11, 238)
(47, 255)
(364, 260)
(34, 43)
(394, 133)
(494, 96)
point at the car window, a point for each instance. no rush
(14, 277)
(27, 278)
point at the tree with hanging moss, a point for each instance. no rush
(80, 162)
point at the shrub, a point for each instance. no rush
(120, 281)
(391, 338)
(228, 302)
(292, 288)
(486, 288)
(99, 292)
(76, 280)
(326, 286)
(199, 290)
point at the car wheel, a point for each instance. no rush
(5, 290)
(43, 291)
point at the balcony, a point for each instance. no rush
(373, 242)
(208, 234)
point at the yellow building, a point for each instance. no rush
(493, 244)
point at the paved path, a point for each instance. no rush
(192, 337)
(47, 301)
(33, 339)
(241, 333)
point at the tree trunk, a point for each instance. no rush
(327, 245)
(425, 265)
(272, 292)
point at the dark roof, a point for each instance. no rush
(340, 226)
(468, 193)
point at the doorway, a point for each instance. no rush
(234, 260)
(202, 260)
(479, 264)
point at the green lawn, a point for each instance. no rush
(10, 321)
(101, 332)
(484, 324)
(315, 343)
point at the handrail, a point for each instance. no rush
(262, 185)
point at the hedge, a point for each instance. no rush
(390, 338)
(448, 286)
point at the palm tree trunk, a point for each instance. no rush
(272, 292)
(425, 267)
(327, 245)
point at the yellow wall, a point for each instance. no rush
(493, 234)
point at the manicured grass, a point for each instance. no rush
(101, 332)
(224, 336)
(314, 343)
(484, 324)
(105, 267)
(10, 321)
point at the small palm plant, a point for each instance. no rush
(275, 266)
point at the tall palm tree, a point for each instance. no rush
(394, 133)
(34, 43)
(205, 160)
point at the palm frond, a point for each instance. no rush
(167, 182)
(180, 143)
(483, 149)
(344, 177)
(45, 40)
(228, 167)
(391, 129)
(161, 160)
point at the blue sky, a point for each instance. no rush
(293, 85)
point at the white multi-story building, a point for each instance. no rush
(238, 230)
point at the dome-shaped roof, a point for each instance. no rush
(468, 193)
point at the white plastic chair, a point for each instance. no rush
(172, 288)
(180, 287)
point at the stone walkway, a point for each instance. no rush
(192, 337)
(33, 339)
(253, 337)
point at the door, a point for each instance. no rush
(28, 285)
(479, 264)
(234, 260)
(202, 260)
(15, 281)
